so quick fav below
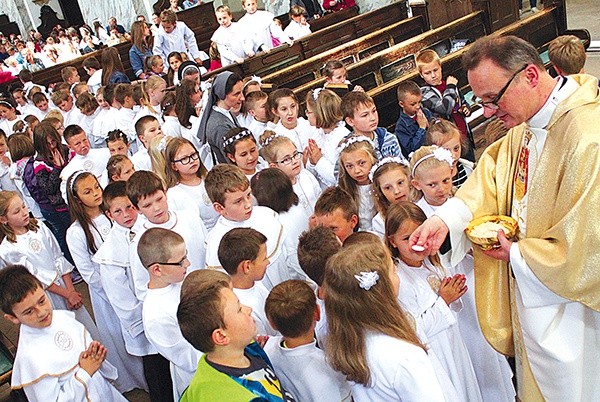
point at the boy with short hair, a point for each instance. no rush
(175, 36)
(300, 365)
(147, 194)
(243, 255)
(229, 190)
(231, 42)
(335, 209)
(90, 160)
(115, 274)
(163, 253)
(442, 97)
(361, 114)
(70, 75)
(315, 247)
(64, 101)
(567, 55)
(146, 128)
(125, 116)
(26, 78)
(40, 101)
(234, 367)
(92, 67)
(56, 357)
(298, 26)
(413, 121)
(256, 106)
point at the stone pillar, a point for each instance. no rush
(17, 12)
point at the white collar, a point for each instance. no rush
(564, 88)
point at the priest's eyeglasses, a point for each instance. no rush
(493, 104)
(186, 160)
(289, 159)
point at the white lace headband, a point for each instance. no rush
(389, 159)
(74, 177)
(238, 136)
(353, 140)
(441, 154)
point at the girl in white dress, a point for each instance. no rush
(283, 105)
(391, 184)
(272, 188)
(241, 149)
(170, 122)
(357, 157)
(324, 112)
(87, 232)
(431, 176)
(281, 153)
(9, 115)
(429, 293)
(371, 340)
(184, 179)
(26, 242)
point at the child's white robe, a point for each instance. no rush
(47, 364)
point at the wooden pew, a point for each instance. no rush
(539, 29)
(350, 52)
(399, 59)
(322, 40)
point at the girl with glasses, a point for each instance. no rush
(281, 153)
(184, 176)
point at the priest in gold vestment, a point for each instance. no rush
(538, 297)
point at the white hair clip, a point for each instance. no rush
(271, 138)
(366, 280)
(441, 154)
(353, 140)
(162, 144)
(316, 93)
(253, 80)
(238, 136)
(388, 159)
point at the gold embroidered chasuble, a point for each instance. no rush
(562, 243)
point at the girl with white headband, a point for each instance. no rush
(391, 184)
(85, 235)
(357, 157)
(431, 172)
(9, 115)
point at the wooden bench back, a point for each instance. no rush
(349, 52)
(319, 41)
(399, 59)
(539, 29)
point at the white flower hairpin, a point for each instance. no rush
(386, 160)
(271, 138)
(316, 93)
(441, 154)
(366, 280)
(162, 144)
(353, 140)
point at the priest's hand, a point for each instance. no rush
(501, 253)
(430, 235)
